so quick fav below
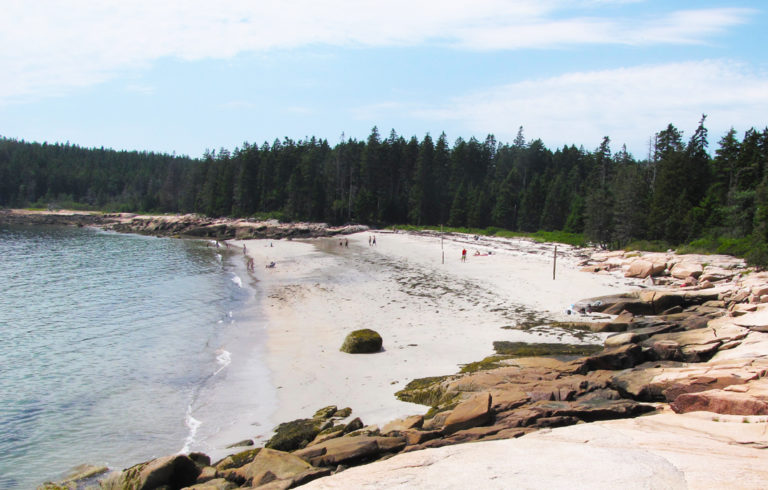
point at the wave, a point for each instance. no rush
(223, 358)
(192, 424)
(236, 279)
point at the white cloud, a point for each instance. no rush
(627, 104)
(50, 46)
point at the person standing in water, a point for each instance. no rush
(464, 255)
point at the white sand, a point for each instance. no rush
(433, 317)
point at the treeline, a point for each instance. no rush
(679, 193)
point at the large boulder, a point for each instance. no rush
(720, 401)
(350, 450)
(471, 413)
(684, 270)
(621, 357)
(295, 434)
(363, 341)
(237, 460)
(171, 472)
(270, 465)
(642, 268)
(400, 425)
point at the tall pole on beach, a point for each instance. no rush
(554, 264)
(441, 243)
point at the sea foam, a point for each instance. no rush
(192, 424)
(236, 279)
(223, 358)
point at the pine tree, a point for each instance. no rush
(458, 214)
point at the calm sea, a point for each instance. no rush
(115, 349)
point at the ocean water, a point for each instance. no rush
(116, 348)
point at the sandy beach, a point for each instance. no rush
(433, 316)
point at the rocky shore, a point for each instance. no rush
(188, 225)
(692, 340)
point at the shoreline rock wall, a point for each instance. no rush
(187, 225)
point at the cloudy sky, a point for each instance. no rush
(186, 75)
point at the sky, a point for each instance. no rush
(184, 76)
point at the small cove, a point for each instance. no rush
(120, 348)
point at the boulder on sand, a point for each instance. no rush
(363, 341)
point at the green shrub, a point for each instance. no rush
(648, 245)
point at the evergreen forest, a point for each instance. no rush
(682, 193)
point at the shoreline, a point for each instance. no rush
(246, 371)
(319, 290)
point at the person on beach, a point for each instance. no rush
(250, 264)
(464, 255)
(244, 249)
(369, 240)
(346, 243)
(374, 240)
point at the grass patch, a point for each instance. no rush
(490, 362)
(426, 391)
(718, 245)
(266, 216)
(524, 349)
(648, 246)
(514, 350)
(754, 251)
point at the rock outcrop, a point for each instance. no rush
(174, 472)
(191, 225)
(657, 451)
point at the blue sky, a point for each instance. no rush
(185, 76)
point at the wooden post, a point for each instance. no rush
(441, 243)
(554, 264)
